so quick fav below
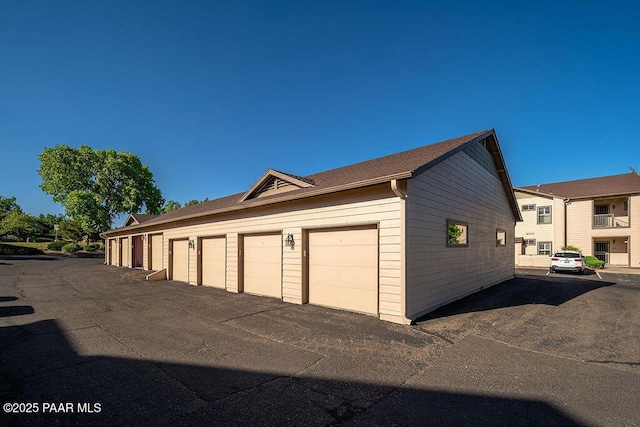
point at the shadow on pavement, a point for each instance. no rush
(5, 299)
(41, 366)
(16, 310)
(549, 290)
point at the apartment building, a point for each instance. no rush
(601, 216)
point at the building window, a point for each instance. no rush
(501, 238)
(530, 242)
(457, 232)
(544, 248)
(528, 208)
(601, 209)
(544, 215)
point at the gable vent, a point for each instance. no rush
(272, 186)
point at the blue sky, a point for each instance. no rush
(211, 94)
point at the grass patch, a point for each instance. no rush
(13, 249)
(37, 245)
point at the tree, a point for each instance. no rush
(195, 202)
(95, 186)
(454, 232)
(50, 220)
(19, 224)
(171, 205)
(71, 230)
(7, 205)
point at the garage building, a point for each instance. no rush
(393, 237)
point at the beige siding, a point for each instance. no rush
(579, 225)
(145, 252)
(634, 222)
(530, 229)
(583, 235)
(376, 205)
(462, 189)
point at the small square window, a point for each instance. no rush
(501, 238)
(528, 208)
(457, 233)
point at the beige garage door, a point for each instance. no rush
(156, 252)
(213, 262)
(263, 265)
(124, 254)
(180, 261)
(343, 269)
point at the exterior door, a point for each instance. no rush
(124, 251)
(156, 252)
(262, 266)
(343, 269)
(180, 260)
(213, 255)
(137, 251)
(602, 251)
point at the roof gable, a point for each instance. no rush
(627, 183)
(136, 218)
(274, 182)
(403, 165)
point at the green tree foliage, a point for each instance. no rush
(195, 202)
(71, 230)
(171, 205)
(50, 220)
(454, 232)
(7, 205)
(19, 224)
(571, 248)
(95, 186)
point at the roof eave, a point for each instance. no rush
(287, 197)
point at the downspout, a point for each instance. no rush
(398, 192)
(566, 203)
(402, 317)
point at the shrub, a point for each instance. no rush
(92, 247)
(56, 246)
(594, 262)
(571, 248)
(6, 249)
(71, 247)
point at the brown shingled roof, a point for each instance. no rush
(143, 217)
(383, 169)
(627, 183)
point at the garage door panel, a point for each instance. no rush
(180, 260)
(214, 253)
(263, 265)
(364, 237)
(362, 300)
(354, 277)
(345, 257)
(156, 252)
(343, 269)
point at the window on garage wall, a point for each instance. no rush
(501, 237)
(457, 233)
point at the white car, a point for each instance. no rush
(567, 261)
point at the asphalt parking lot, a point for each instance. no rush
(92, 344)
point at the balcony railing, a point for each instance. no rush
(609, 221)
